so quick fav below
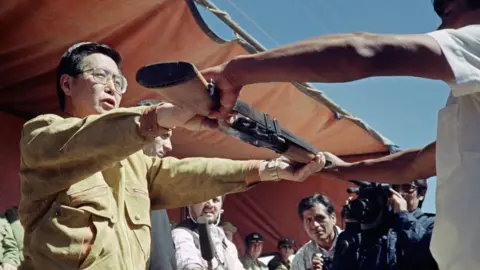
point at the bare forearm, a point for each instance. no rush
(341, 58)
(398, 168)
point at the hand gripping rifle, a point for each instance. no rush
(181, 83)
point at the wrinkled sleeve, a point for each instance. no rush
(62, 151)
(233, 254)
(461, 48)
(414, 238)
(187, 255)
(10, 248)
(178, 182)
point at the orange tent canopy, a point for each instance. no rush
(34, 34)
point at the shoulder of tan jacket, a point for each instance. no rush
(41, 120)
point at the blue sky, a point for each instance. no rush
(403, 109)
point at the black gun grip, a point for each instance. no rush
(214, 94)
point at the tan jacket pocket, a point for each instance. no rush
(60, 235)
(138, 212)
(95, 199)
(69, 236)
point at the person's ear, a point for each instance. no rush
(66, 84)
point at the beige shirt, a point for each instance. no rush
(250, 264)
(87, 190)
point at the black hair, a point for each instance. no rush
(439, 5)
(473, 4)
(422, 187)
(72, 59)
(309, 202)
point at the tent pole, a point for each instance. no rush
(306, 88)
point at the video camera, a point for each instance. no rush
(370, 204)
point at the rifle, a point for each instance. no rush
(182, 83)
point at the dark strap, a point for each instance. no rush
(192, 227)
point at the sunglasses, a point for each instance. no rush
(409, 188)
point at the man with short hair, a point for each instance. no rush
(88, 188)
(413, 227)
(253, 250)
(450, 54)
(187, 239)
(399, 239)
(319, 222)
(285, 250)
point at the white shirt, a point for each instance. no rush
(456, 237)
(188, 255)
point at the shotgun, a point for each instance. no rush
(182, 83)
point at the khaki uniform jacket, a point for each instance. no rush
(277, 264)
(12, 216)
(250, 264)
(87, 189)
(9, 252)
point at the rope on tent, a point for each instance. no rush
(305, 88)
(253, 22)
(312, 17)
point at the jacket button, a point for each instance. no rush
(137, 217)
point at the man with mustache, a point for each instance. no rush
(187, 242)
(319, 222)
(88, 188)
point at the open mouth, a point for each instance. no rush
(108, 102)
(209, 212)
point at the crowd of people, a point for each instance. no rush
(95, 180)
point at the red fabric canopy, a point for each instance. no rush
(34, 34)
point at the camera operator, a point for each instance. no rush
(396, 237)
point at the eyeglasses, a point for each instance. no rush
(409, 188)
(101, 75)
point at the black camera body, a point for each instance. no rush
(370, 204)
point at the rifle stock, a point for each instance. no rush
(181, 83)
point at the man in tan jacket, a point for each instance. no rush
(88, 189)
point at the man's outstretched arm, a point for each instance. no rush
(399, 168)
(334, 58)
(344, 57)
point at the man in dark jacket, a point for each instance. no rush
(400, 241)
